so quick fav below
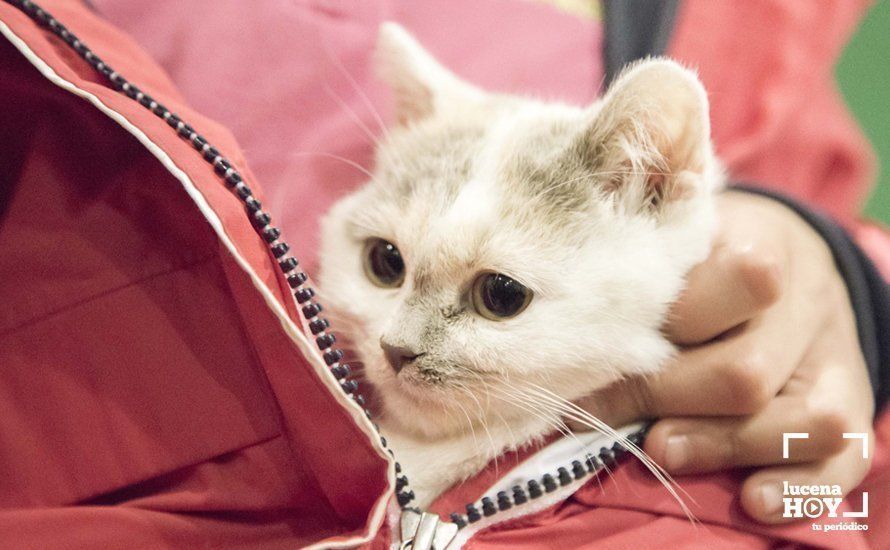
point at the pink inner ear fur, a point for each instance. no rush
(656, 116)
(413, 102)
(413, 75)
(685, 140)
(420, 84)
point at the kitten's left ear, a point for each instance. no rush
(420, 84)
(652, 134)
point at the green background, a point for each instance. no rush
(864, 76)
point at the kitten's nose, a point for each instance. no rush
(398, 356)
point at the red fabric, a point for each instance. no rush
(148, 396)
(778, 119)
(629, 509)
(298, 90)
(777, 116)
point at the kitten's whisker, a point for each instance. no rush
(467, 415)
(494, 450)
(351, 163)
(515, 397)
(580, 415)
(576, 413)
(553, 419)
(563, 428)
(487, 389)
(605, 466)
(399, 159)
(375, 141)
(448, 413)
(355, 86)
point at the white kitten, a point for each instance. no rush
(508, 250)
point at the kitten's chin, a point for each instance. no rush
(420, 408)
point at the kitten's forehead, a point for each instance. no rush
(524, 157)
(541, 168)
(481, 192)
(432, 161)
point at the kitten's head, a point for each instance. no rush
(505, 242)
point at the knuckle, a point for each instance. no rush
(762, 273)
(828, 425)
(642, 395)
(748, 385)
(832, 421)
(733, 450)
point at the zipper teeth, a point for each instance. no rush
(305, 295)
(578, 470)
(261, 220)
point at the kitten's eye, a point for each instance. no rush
(383, 263)
(498, 297)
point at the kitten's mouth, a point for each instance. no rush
(417, 372)
(406, 361)
(418, 375)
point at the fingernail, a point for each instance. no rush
(676, 453)
(771, 498)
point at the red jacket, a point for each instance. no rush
(158, 388)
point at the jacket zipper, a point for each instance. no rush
(418, 527)
(261, 220)
(530, 487)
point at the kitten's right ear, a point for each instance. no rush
(420, 84)
(652, 134)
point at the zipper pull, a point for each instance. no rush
(425, 531)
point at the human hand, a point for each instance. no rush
(768, 345)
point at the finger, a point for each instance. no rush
(733, 285)
(721, 379)
(690, 445)
(763, 492)
(735, 376)
(835, 372)
(616, 405)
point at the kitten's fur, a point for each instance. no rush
(600, 210)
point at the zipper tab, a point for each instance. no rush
(425, 531)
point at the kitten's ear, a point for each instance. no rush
(652, 134)
(420, 84)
